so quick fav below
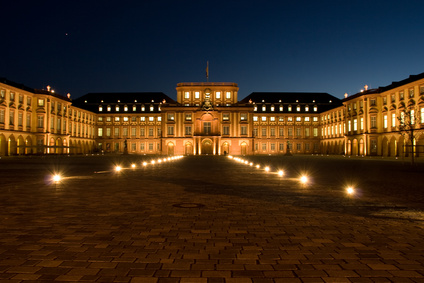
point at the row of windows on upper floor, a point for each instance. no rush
(218, 95)
(125, 108)
(289, 119)
(280, 108)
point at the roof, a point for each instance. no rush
(91, 101)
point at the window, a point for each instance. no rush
(12, 118)
(100, 108)
(133, 131)
(159, 132)
(228, 95)
(355, 124)
(272, 108)
(289, 108)
(2, 116)
(12, 96)
(150, 132)
(411, 93)
(108, 132)
(281, 146)
(150, 146)
(289, 119)
(349, 125)
(243, 116)
(393, 120)
(264, 132)
(385, 100)
(306, 108)
(196, 94)
(20, 121)
(255, 118)
(159, 119)
(299, 146)
(171, 116)
(151, 118)
(263, 108)
(142, 146)
(226, 130)
(273, 147)
(116, 132)
(315, 132)
(281, 131)
(401, 95)
(373, 102)
(126, 108)
(188, 116)
(2, 94)
(393, 97)
(134, 108)
(263, 118)
(298, 119)
(272, 132)
(206, 128)
(243, 130)
(385, 121)
(256, 147)
(422, 115)
(218, 95)
(125, 119)
(117, 108)
(100, 132)
(142, 119)
(298, 108)
(290, 132)
(255, 108)
(40, 102)
(28, 121)
(29, 101)
(281, 108)
(170, 130)
(307, 132)
(151, 108)
(264, 146)
(188, 130)
(298, 132)
(412, 117)
(143, 108)
(225, 116)
(362, 123)
(142, 132)
(186, 95)
(373, 122)
(116, 119)
(272, 119)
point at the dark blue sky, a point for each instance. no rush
(109, 46)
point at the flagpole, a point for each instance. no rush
(207, 71)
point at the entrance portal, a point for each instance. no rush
(207, 147)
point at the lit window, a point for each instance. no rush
(263, 118)
(281, 108)
(116, 119)
(218, 95)
(298, 119)
(186, 95)
(225, 116)
(125, 119)
(108, 119)
(306, 119)
(289, 108)
(355, 124)
(315, 119)
(263, 108)
(255, 108)
(143, 108)
(315, 108)
(100, 108)
(243, 116)
(109, 108)
(255, 118)
(306, 108)
(228, 95)
(125, 108)
(412, 118)
(298, 108)
(188, 116)
(197, 95)
(290, 119)
(422, 117)
(171, 117)
(272, 119)
(272, 108)
(151, 119)
(281, 119)
(134, 108)
(151, 108)
(142, 119)
(117, 108)
(159, 119)
(41, 102)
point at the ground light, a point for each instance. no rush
(281, 173)
(267, 169)
(153, 162)
(258, 166)
(133, 165)
(144, 163)
(57, 178)
(350, 190)
(118, 168)
(303, 179)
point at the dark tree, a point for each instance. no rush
(409, 128)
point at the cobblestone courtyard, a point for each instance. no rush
(211, 219)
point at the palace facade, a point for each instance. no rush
(208, 118)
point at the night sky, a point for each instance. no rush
(129, 46)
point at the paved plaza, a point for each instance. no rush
(211, 219)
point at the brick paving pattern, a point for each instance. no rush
(206, 219)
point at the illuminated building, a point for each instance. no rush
(208, 118)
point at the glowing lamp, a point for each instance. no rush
(118, 168)
(258, 166)
(144, 163)
(350, 190)
(280, 173)
(304, 179)
(267, 169)
(133, 165)
(57, 178)
(153, 162)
